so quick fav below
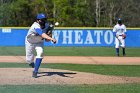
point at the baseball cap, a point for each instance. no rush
(119, 20)
(41, 16)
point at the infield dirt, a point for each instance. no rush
(22, 76)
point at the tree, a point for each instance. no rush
(99, 13)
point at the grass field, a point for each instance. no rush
(117, 70)
(118, 88)
(71, 51)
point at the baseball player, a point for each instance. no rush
(119, 32)
(35, 41)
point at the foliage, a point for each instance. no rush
(72, 13)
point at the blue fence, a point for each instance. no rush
(71, 37)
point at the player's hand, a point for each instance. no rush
(123, 36)
(54, 41)
(49, 33)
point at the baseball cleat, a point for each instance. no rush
(118, 55)
(124, 54)
(32, 65)
(34, 74)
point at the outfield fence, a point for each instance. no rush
(71, 36)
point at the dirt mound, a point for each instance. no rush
(22, 76)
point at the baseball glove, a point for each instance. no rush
(123, 36)
(49, 32)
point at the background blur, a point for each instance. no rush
(70, 13)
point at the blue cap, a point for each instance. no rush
(41, 16)
(119, 19)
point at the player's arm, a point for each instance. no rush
(114, 31)
(44, 35)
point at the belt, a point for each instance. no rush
(120, 35)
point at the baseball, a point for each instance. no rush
(56, 23)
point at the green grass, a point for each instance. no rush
(114, 88)
(117, 70)
(71, 51)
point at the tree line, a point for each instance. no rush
(71, 13)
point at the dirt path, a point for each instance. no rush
(78, 60)
(22, 76)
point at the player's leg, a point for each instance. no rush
(117, 46)
(123, 46)
(30, 54)
(39, 57)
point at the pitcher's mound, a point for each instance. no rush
(22, 76)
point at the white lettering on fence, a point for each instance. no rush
(81, 37)
(108, 34)
(78, 37)
(89, 39)
(98, 34)
(67, 36)
(6, 30)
